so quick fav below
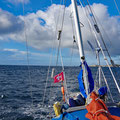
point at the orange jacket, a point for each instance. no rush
(97, 110)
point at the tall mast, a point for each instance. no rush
(78, 29)
(80, 43)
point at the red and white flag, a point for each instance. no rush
(59, 77)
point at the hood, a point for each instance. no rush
(93, 95)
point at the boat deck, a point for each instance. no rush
(80, 114)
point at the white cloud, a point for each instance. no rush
(15, 52)
(10, 50)
(16, 56)
(18, 1)
(10, 24)
(40, 28)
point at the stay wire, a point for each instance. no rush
(96, 79)
(61, 33)
(48, 72)
(117, 6)
(106, 35)
(102, 27)
(27, 50)
(52, 84)
(107, 84)
(64, 83)
(89, 10)
(99, 31)
(73, 38)
(86, 12)
(105, 58)
(72, 25)
(96, 20)
(59, 51)
(72, 54)
(59, 48)
(94, 15)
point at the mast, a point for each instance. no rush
(80, 43)
(78, 28)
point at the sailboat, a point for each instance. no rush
(69, 110)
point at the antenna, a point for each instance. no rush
(91, 46)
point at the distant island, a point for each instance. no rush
(116, 65)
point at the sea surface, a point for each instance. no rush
(25, 94)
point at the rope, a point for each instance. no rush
(85, 12)
(46, 86)
(51, 2)
(27, 50)
(95, 21)
(61, 33)
(65, 85)
(73, 38)
(72, 25)
(109, 66)
(100, 111)
(74, 41)
(72, 54)
(59, 47)
(99, 32)
(96, 87)
(111, 72)
(51, 55)
(107, 84)
(107, 39)
(117, 6)
(103, 29)
(52, 84)
(59, 51)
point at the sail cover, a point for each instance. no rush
(90, 80)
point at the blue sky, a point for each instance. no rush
(40, 16)
(35, 5)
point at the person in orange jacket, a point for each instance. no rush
(97, 110)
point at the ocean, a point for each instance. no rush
(23, 95)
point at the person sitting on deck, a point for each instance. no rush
(97, 110)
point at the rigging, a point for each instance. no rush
(99, 32)
(27, 51)
(117, 6)
(106, 60)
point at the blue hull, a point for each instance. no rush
(80, 115)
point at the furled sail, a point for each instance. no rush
(81, 81)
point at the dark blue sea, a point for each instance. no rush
(22, 89)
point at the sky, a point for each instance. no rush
(35, 21)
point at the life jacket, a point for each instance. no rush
(97, 110)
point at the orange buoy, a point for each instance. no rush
(63, 92)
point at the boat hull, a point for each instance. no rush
(80, 114)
